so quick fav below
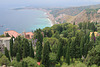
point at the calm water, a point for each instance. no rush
(22, 20)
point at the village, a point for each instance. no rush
(5, 41)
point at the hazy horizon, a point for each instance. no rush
(46, 3)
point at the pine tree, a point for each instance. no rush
(40, 37)
(82, 47)
(73, 23)
(45, 55)
(18, 57)
(24, 49)
(38, 51)
(11, 46)
(19, 51)
(24, 64)
(60, 51)
(68, 55)
(31, 51)
(7, 53)
(7, 35)
(72, 50)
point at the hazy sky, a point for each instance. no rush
(47, 3)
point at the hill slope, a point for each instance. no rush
(77, 14)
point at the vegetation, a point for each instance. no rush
(62, 45)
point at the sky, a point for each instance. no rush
(47, 3)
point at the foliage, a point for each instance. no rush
(30, 61)
(31, 51)
(45, 54)
(18, 57)
(93, 56)
(7, 35)
(38, 51)
(4, 60)
(1, 54)
(7, 53)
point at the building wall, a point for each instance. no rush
(5, 42)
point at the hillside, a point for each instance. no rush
(73, 11)
(77, 14)
(91, 15)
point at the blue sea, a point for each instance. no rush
(22, 20)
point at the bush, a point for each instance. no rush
(1, 54)
(30, 61)
(57, 65)
(4, 60)
(93, 56)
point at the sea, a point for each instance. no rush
(24, 20)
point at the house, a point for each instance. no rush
(98, 11)
(95, 33)
(28, 35)
(38, 63)
(1, 48)
(12, 33)
(4, 42)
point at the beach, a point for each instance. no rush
(50, 16)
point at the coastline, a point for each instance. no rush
(47, 12)
(50, 16)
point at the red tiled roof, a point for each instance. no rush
(12, 33)
(38, 63)
(29, 33)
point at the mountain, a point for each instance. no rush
(77, 14)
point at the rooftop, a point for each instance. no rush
(12, 33)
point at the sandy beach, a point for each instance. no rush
(50, 16)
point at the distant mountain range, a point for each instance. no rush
(77, 14)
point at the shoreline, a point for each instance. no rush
(47, 12)
(50, 16)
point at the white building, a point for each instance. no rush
(4, 42)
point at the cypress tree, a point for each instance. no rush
(40, 37)
(31, 51)
(73, 23)
(82, 47)
(24, 64)
(38, 51)
(24, 49)
(7, 35)
(72, 50)
(45, 56)
(18, 57)
(68, 55)
(60, 51)
(19, 51)
(11, 46)
(7, 53)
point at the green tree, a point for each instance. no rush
(38, 51)
(18, 57)
(68, 54)
(82, 47)
(39, 36)
(7, 53)
(24, 64)
(80, 25)
(60, 51)
(72, 50)
(73, 23)
(11, 46)
(7, 35)
(93, 56)
(31, 51)
(4, 60)
(45, 55)
(24, 51)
